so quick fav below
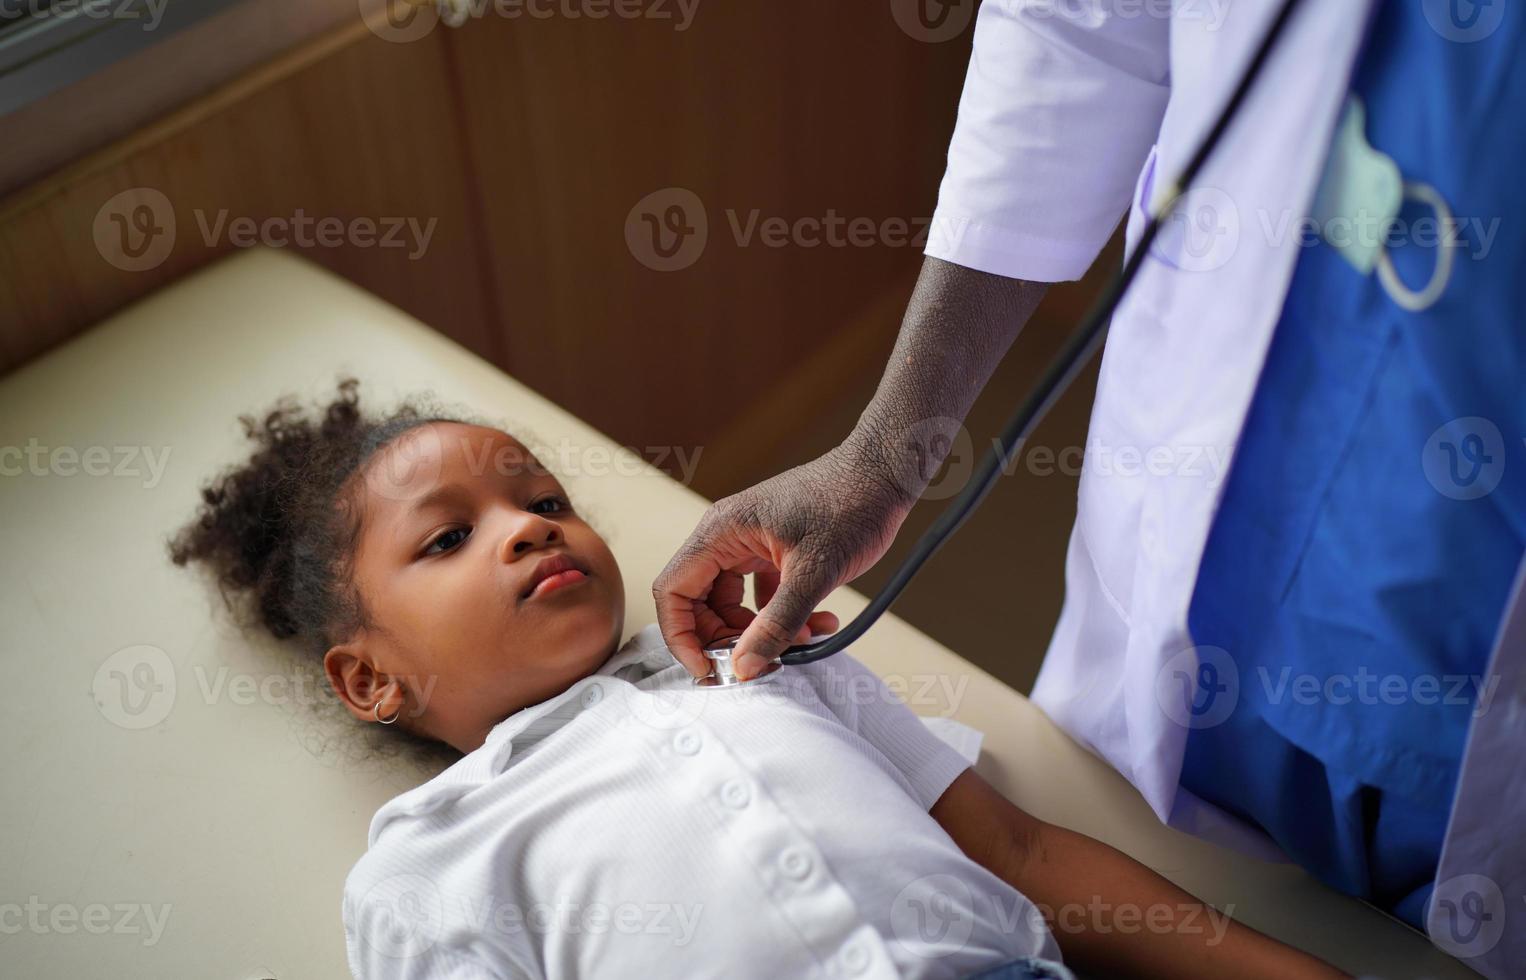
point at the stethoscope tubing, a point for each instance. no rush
(1062, 370)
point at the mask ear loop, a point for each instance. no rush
(1404, 297)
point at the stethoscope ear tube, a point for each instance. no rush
(1076, 352)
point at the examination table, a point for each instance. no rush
(159, 761)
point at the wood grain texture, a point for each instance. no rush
(792, 110)
(528, 141)
(364, 130)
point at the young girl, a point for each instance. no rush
(607, 817)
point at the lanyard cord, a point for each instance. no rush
(1076, 353)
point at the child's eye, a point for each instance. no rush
(447, 537)
(561, 502)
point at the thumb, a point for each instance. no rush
(778, 623)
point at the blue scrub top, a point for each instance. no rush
(1375, 514)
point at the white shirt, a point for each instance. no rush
(1075, 112)
(639, 826)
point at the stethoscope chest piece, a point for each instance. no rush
(722, 674)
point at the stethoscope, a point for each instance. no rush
(1058, 376)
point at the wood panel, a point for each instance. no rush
(793, 109)
(349, 127)
(528, 141)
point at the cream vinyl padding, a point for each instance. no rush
(172, 806)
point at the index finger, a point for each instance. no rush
(686, 581)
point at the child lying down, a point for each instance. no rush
(607, 817)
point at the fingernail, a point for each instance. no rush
(747, 665)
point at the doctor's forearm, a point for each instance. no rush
(957, 328)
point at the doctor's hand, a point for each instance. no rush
(801, 534)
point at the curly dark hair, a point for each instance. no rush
(278, 532)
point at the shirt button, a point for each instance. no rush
(855, 959)
(795, 863)
(592, 696)
(735, 794)
(686, 742)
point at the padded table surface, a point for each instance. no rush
(159, 761)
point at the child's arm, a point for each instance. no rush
(1109, 913)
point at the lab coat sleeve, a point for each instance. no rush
(865, 704)
(1061, 104)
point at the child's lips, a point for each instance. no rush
(558, 581)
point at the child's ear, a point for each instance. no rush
(357, 682)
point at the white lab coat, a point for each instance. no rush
(1071, 113)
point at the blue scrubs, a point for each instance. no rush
(1375, 514)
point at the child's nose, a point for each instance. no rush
(527, 532)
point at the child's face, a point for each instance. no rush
(455, 518)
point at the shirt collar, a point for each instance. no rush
(642, 655)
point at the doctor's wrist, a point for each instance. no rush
(896, 463)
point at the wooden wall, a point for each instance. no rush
(528, 142)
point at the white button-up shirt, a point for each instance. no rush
(1074, 114)
(639, 826)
